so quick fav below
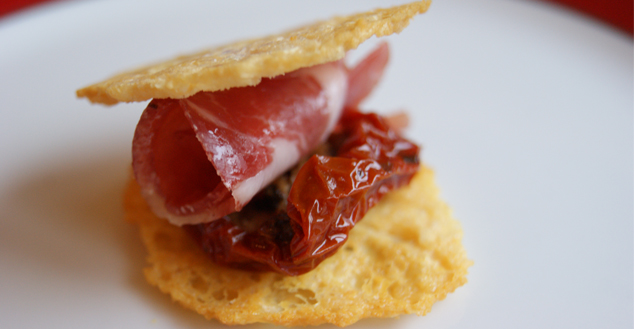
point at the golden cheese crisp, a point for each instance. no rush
(246, 63)
(403, 256)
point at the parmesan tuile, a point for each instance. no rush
(245, 63)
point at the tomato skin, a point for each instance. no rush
(329, 195)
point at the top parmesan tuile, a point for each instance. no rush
(245, 63)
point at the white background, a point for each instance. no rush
(524, 110)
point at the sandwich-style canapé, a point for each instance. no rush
(264, 194)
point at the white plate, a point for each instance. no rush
(525, 111)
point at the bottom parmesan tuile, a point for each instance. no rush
(403, 256)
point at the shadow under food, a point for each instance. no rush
(67, 221)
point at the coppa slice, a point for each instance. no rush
(248, 135)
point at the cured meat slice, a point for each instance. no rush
(177, 179)
(254, 134)
(204, 157)
(366, 75)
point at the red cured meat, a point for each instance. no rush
(176, 177)
(366, 75)
(201, 158)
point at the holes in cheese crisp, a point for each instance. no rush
(299, 297)
(225, 294)
(412, 293)
(219, 295)
(405, 233)
(307, 295)
(442, 259)
(395, 290)
(199, 284)
(231, 294)
(362, 281)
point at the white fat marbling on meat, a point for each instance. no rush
(188, 215)
(285, 155)
(207, 115)
(333, 78)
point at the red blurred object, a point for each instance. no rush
(9, 6)
(618, 13)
